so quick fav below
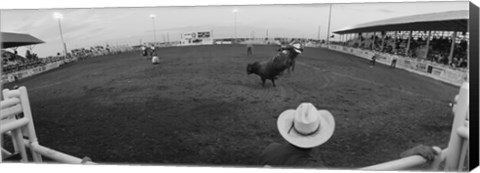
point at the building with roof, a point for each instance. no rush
(10, 40)
(400, 34)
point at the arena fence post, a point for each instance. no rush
(456, 152)
(14, 103)
(17, 135)
(32, 136)
(460, 110)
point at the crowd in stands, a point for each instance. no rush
(438, 51)
(274, 40)
(303, 41)
(12, 62)
(95, 51)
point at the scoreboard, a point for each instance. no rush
(197, 38)
(194, 35)
(203, 34)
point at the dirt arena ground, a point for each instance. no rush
(198, 106)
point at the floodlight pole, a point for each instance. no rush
(154, 32)
(318, 34)
(329, 19)
(235, 24)
(168, 37)
(61, 36)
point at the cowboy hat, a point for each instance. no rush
(298, 47)
(306, 127)
(155, 60)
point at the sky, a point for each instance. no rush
(85, 27)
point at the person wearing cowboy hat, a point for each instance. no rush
(152, 49)
(291, 50)
(155, 59)
(294, 47)
(249, 49)
(304, 129)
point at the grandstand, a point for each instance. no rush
(15, 67)
(412, 34)
(98, 50)
(437, 43)
(16, 40)
(11, 61)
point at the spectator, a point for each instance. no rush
(249, 49)
(454, 62)
(304, 129)
(35, 56)
(426, 152)
(444, 60)
(28, 55)
(462, 63)
(394, 62)
(144, 50)
(373, 59)
(152, 51)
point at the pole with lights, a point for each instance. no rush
(318, 33)
(235, 11)
(154, 32)
(329, 19)
(59, 17)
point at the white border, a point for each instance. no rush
(34, 4)
(51, 168)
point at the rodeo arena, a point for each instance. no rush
(384, 95)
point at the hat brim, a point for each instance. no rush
(327, 126)
(298, 50)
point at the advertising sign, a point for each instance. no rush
(189, 35)
(203, 34)
(381, 57)
(421, 67)
(437, 71)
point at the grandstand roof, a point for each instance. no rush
(16, 39)
(443, 21)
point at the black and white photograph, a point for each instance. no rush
(374, 86)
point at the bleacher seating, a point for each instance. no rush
(438, 50)
(12, 62)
